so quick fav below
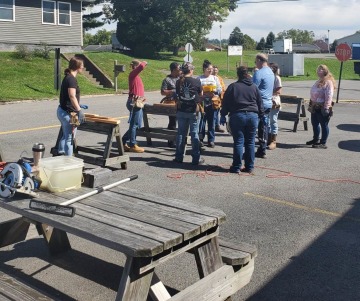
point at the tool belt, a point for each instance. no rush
(168, 100)
(74, 119)
(137, 101)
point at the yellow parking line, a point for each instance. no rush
(302, 207)
(30, 129)
(42, 128)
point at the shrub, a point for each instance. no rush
(43, 51)
(23, 52)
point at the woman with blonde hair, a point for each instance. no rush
(321, 95)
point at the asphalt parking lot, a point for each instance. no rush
(301, 208)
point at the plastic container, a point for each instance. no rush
(60, 173)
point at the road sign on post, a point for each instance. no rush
(342, 53)
(188, 49)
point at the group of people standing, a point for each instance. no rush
(250, 106)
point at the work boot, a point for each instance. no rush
(126, 147)
(314, 141)
(218, 129)
(272, 144)
(136, 149)
(260, 154)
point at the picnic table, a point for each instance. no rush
(149, 230)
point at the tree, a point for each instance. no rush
(102, 37)
(236, 37)
(270, 40)
(91, 20)
(148, 26)
(261, 44)
(249, 43)
(298, 36)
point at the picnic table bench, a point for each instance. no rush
(300, 111)
(149, 230)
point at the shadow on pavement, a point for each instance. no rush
(349, 127)
(329, 269)
(350, 145)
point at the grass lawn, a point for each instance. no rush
(34, 78)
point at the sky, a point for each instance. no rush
(257, 18)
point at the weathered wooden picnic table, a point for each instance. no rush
(149, 230)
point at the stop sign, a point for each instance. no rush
(343, 52)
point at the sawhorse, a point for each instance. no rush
(102, 156)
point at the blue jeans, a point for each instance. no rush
(319, 121)
(135, 122)
(273, 116)
(243, 128)
(263, 127)
(217, 119)
(209, 118)
(186, 120)
(65, 144)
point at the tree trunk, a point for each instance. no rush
(176, 50)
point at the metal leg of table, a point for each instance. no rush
(133, 285)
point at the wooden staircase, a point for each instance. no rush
(91, 71)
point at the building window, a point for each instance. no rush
(48, 12)
(7, 10)
(64, 16)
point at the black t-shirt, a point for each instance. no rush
(69, 81)
(188, 90)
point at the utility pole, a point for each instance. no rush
(220, 37)
(329, 40)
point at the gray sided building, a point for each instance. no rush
(37, 22)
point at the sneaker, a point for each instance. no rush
(211, 144)
(136, 149)
(126, 148)
(177, 160)
(312, 142)
(234, 170)
(260, 155)
(319, 145)
(250, 172)
(219, 130)
(200, 162)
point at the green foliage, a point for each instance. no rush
(166, 24)
(43, 51)
(261, 45)
(249, 43)
(102, 37)
(91, 20)
(22, 52)
(236, 37)
(270, 40)
(298, 36)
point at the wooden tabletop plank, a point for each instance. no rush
(167, 238)
(140, 214)
(153, 208)
(176, 203)
(111, 237)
